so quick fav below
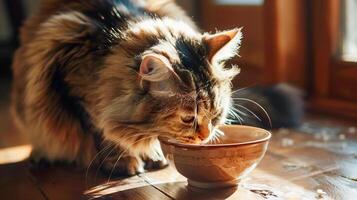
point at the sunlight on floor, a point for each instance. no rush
(139, 181)
(14, 154)
(114, 187)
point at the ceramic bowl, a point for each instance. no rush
(219, 165)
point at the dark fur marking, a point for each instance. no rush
(110, 18)
(70, 103)
(192, 55)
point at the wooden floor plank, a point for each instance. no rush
(16, 183)
(182, 191)
(140, 193)
(59, 184)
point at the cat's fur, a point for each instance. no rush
(121, 71)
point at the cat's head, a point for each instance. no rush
(164, 78)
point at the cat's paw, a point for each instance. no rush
(155, 164)
(127, 165)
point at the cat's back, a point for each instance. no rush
(49, 8)
(98, 11)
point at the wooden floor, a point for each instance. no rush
(316, 161)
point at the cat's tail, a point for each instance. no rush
(270, 107)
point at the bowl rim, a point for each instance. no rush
(165, 140)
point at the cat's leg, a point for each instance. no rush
(154, 164)
(125, 164)
(118, 161)
(153, 157)
(122, 161)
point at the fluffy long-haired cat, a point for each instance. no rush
(119, 72)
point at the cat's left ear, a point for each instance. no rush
(224, 45)
(155, 68)
(157, 74)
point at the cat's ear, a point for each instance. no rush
(155, 68)
(159, 75)
(223, 45)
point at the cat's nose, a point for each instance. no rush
(204, 130)
(188, 119)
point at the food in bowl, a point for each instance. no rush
(222, 164)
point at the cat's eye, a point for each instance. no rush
(188, 119)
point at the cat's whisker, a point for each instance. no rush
(234, 114)
(215, 138)
(239, 111)
(241, 89)
(94, 158)
(218, 140)
(250, 111)
(212, 140)
(219, 132)
(257, 104)
(227, 121)
(232, 120)
(114, 146)
(238, 90)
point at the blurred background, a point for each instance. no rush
(310, 44)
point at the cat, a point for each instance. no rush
(121, 73)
